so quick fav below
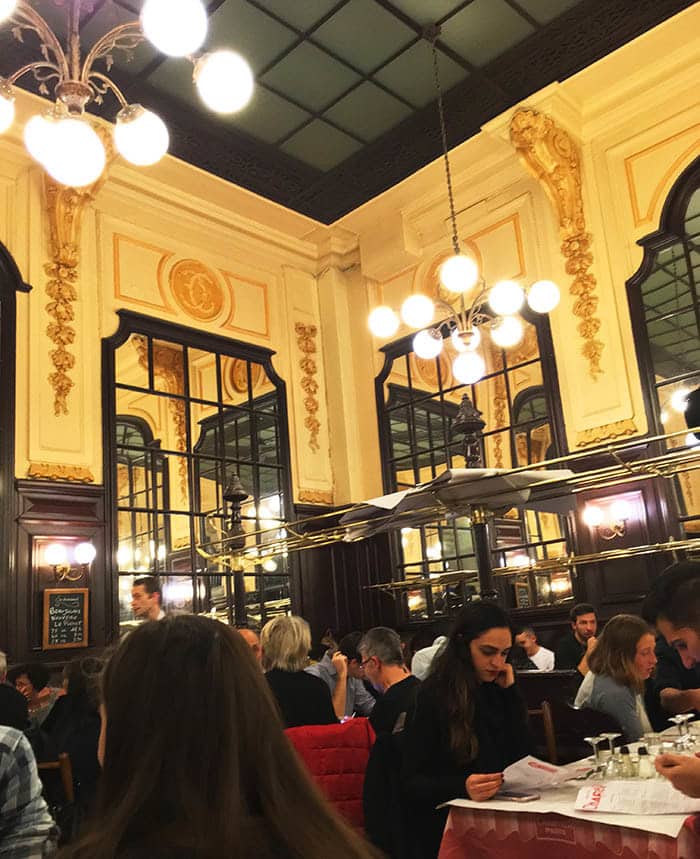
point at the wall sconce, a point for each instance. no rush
(610, 520)
(56, 556)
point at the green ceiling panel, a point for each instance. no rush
(321, 145)
(364, 34)
(544, 11)
(368, 111)
(268, 116)
(105, 18)
(411, 74)
(302, 14)
(252, 33)
(311, 77)
(174, 76)
(485, 29)
(427, 12)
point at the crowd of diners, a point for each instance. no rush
(178, 745)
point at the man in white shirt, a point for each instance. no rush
(543, 658)
(422, 662)
(147, 598)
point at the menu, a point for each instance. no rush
(65, 618)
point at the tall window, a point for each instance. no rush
(188, 412)
(417, 402)
(664, 300)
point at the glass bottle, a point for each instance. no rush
(646, 766)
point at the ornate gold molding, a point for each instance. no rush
(500, 404)
(315, 496)
(306, 341)
(607, 432)
(553, 158)
(54, 471)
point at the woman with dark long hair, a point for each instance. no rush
(195, 762)
(469, 724)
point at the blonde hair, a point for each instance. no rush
(285, 641)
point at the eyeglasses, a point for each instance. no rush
(365, 661)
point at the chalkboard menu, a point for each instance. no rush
(65, 618)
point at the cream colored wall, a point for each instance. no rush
(280, 280)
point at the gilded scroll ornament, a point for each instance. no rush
(54, 471)
(500, 404)
(306, 341)
(607, 432)
(552, 156)
(196, 290)
(315, 496)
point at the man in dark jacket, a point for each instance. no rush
(14, 711)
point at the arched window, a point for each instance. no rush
(187, 411)
(664, 300)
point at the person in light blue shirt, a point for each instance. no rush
(344, 674)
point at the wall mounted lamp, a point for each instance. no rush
(609, 520)
(56, 556)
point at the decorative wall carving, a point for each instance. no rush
(64, 207)
(500, 405)
(306, 341)
(196, 290)
(54, 471)
(552, 156)
(238, 375)
(607, 432)
(315, 496)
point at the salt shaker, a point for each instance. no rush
(646, 767)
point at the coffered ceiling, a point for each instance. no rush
(344, 105)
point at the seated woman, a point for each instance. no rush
(195, 762)
(303, 699)
(32, 681)
(623, 660)
(469, 723)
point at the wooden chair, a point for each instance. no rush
(568, 725)
(65, 771)
(544, 737)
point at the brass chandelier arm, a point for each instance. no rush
(54, 71)
(124, 37)
(104, 84)
(25, 17)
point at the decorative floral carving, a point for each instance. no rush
(238, 375)
(306, 341)
(168, 367)
(315, 496)
(196, 289)
(500, 404)
(54, 471)
(552, 156)
(607, 432)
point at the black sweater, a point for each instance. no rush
(302, 698)
(432, 774)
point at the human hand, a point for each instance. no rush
(507, 677)
(340, 661)
(482, 786)
(590, 644)
(683, 772)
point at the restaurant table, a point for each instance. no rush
(482, 832)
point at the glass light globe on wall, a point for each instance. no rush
(74, 155)
(468, 368)
(85, 553)
(7, 105)
(543, 296)
(7, 7)
(427, 343)
(459, 273)
(679, 400)
(383, 322)
(55, 554)
(224, 81)
(417, 310)
(506, 297)
(507, 332)
(176, 27)
(140, 135)
(620, 510)
(592, 515)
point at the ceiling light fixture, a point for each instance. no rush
(494, 308)
(61, 138)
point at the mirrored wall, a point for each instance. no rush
(188, 412)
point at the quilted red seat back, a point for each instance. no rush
(336, 756)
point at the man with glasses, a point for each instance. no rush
(343, 674)
(382, 661)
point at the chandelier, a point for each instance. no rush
(61, 138)
(493, 309)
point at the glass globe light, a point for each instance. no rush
(506, 297)
(7, 104)
(85, 553)
(465, 341)
(679, 400)
(37, 136)
(427, 343)
(592, 515)
(7, 7)
(507, 332)
(417, 310)
(459, 273)
(224, 81)
(468, 368)
(75, 155)
(620, 511)
(55, 554)
(269, 565)
(140, 135)
(175, 27)
(543, 296)
(383, 322)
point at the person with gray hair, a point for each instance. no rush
(302, 698)
(14, 710)
(383, 664)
